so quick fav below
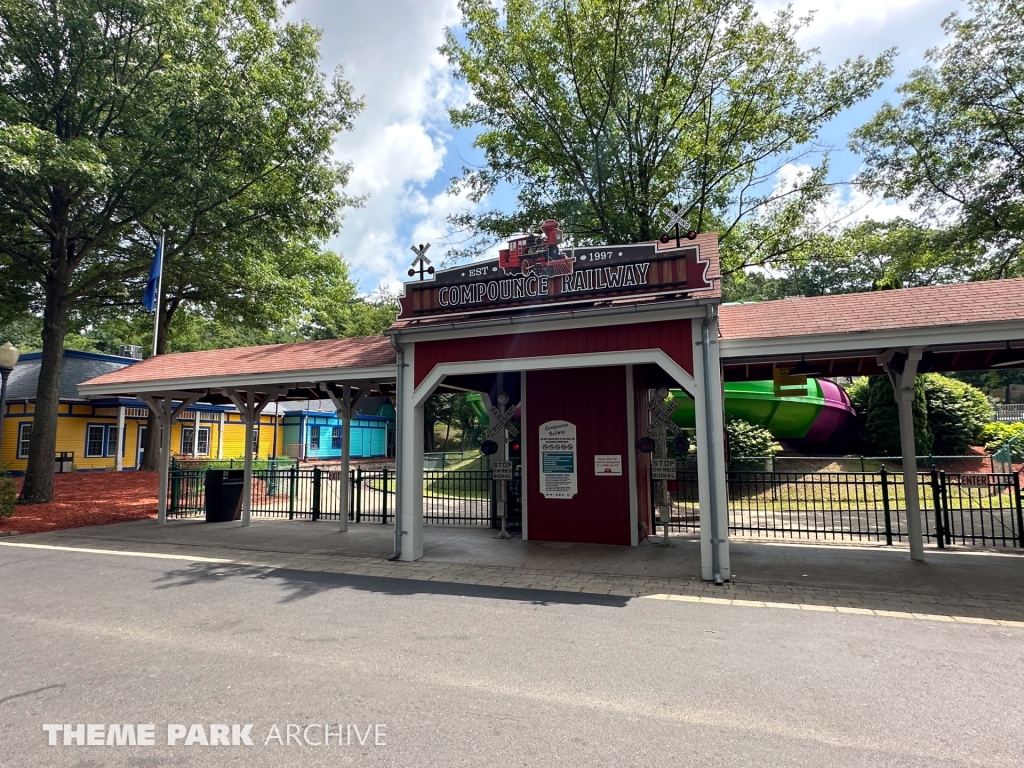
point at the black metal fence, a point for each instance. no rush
(967, 509)
(294, 493)
(976, 509)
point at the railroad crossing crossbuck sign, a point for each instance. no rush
(501, 421)
(675, 221)
(421, 263)
(661, 417)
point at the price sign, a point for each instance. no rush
(663, 469)
(501, 470)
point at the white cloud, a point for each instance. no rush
(847, 28)
(402, 145)
(847, 205)
(402, 138)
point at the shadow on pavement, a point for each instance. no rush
(303, 584)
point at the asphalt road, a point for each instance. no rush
(473, 676)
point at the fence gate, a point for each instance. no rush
(978, 509)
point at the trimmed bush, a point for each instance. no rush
(949, 415)
(957, 414)
(880, 428)
(996, 434)
(8, 498)
(748, 440)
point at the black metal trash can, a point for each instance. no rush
(224, 495)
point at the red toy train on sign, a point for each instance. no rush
(536, 254)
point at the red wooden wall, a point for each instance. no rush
(674, 337)
(594, 399)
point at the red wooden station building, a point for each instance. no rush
(573, 342)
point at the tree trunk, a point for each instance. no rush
(448, 428)
(38, 487)
(151, 456)
(428, 433)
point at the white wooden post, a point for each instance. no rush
(903, 384)
(411, 477)
(163, 407)
(195, 436)
(711, 470)
(250, 418)
(220, 436)
(345, 402)
(250, 407)
(346, 435)
(119, 453)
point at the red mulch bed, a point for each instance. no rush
(88, 498)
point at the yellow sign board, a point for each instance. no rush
(787, 384)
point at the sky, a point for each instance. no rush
(404, 151)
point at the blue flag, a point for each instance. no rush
(149, 298)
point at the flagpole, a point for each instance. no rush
(159, 291)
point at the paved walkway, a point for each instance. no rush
(952, 585)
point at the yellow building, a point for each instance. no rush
(88, 437)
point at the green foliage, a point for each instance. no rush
(449, 413)
(996, 382)
(996, 434)
(747, 441)
(119, 119)
(858, 392)
(879, 419)
(8, 496)
(954, 144)
(599, 112)
(870, 256)
(949, 415)
(339, 315)
(957, 414)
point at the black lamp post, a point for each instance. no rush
(8, 359)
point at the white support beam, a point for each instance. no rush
(163, 407)
(711, 470)
(555, 362)
(220, 435)
(119, 460)
(410, 514)
(904, 385)
(345, 401)
(250, 406)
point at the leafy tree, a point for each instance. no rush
(341, 314)
(993, 381)
(869, 256)
(601, 112)
(119, 118)
(954, 144)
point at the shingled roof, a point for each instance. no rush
(991, 301)
(76, 368)
(364, 352)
